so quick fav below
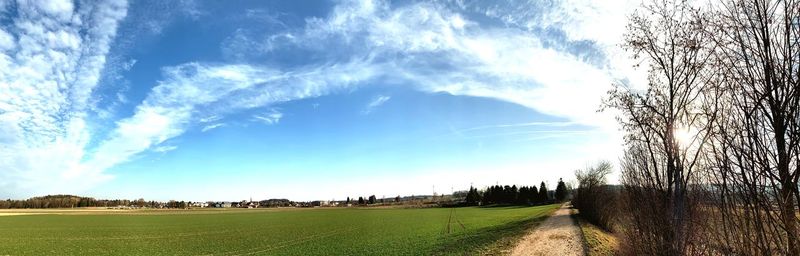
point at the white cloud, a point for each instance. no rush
(51, 76)
(51, 55)
(62, 9)
(273, 116)
(164, 149)
(212, 118)
(439, 50)
(374, 103)
(128, 64)
(211, 127)
(193, 90)
(505, 63)
(518, 125)
(7, 41)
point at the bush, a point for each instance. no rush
(596, 201)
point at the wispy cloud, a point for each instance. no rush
(517, 125)
(273, 116)
(547, 132)
(51, 56)
(50, 64)
(211, 91)
(211, 127)
(436, 48)
(395, 45)
(164, 149)
(209, 119)
(128, 64)
(374, 103)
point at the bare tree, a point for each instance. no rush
(596, 201)
(755, 147)
(666, 125)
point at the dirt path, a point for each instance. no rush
(557, 235)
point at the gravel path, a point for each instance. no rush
(557, 235)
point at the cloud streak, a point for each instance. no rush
(376, 102)
(273, 116)
(212, 126)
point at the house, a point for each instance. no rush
(199, 204)
(250, 204)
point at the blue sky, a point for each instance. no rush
(208, 100)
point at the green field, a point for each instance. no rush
(346, 231)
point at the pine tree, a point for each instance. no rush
(513, 194)
(543, 193)
(469, 199)
(561, 190)
(473, 197)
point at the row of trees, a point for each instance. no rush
(512, 195)
(68, 201)
(712, 157)
(371, 200)
(71, 201)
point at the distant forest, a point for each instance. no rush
(70, 201)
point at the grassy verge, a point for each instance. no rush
(599, 242)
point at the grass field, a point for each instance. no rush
(351, 231)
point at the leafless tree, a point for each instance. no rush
(667, 124)
(755, 148)
(596, 201)
(713, 143)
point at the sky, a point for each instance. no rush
(306, 100)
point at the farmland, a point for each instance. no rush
(352, 231)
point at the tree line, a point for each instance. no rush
(70, 201)
(524, 195)
(712, 143)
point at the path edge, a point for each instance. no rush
(577, 221)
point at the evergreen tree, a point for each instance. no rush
(372, 199)
(522, 196)
(506, 194)
(533, 195)
(469, 199)
(486, 195)
(360, 200)
(472, 196)
(561, 190)
(543, 193)
(513, 194)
